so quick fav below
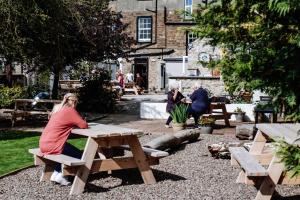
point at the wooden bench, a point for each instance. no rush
(59, 158)
(70, 164)
(247, 162)
(50, 162)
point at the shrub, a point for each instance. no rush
(207, 121)
(7, 95)
(238, 110)
(179, 113)
(96, 94)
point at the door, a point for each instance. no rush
(141, 67)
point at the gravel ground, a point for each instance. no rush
(188, 173)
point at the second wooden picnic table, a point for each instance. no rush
(253, 172)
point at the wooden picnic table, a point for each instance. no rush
(253, 172)
(23, 108)
(107, 136)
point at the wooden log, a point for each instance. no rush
(168, 141)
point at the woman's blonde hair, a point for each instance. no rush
(64, 102)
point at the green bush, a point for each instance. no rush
(289, 155)
(179, 113)
(96, 94)
(7, 95)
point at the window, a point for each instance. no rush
(188, 8)
(192, 37)
(144, 29)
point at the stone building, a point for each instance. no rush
(163, 48)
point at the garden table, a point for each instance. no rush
(23, 108)
(107, 136)
(267, 179)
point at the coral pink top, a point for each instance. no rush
(58, 129)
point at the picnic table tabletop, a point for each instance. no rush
(39, 100)
(290, 132)
(96, 130)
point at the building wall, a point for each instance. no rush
(168, 35)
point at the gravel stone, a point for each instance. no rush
(188, 173)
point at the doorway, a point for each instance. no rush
(141, 67)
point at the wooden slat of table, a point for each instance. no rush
(40, 100)
(248, 163)
(102, 130)
(278, 130)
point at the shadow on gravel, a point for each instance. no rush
(295, 197)
(127, 177)
(277, 196)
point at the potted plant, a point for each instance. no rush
(239, 114)
(179, 116)
(206, 124)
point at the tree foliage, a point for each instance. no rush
(261, 42)
(55, 33)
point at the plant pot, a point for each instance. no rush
(239, 117)
(178, 126)
(206, 129)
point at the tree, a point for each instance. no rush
(261, 41)
(56, 33)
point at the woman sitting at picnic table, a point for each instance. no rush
(174, 98)
(199, 103)
(54, 137)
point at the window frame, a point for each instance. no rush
(190, 9)
(138, 29)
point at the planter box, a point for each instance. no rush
(157, 110)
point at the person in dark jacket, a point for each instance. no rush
(174, 98)
(200, 103)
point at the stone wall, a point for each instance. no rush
(199, 47)
(213, 84)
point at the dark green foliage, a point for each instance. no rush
(179, 113)
(51, 34)
(261, 46)
(290, 156)
(96, 94)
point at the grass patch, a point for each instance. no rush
(14, 147)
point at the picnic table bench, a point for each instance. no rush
(252, 162)
(24, 109)
(101, 137)
(218, 110)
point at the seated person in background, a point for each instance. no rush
(139, 84)
(41, 95)
(199, 104)
(54, 137)
(174, 98)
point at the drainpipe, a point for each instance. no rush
(183, 64)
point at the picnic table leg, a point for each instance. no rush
(225, 115)
(268, 185)
(83, 172)
(140, 159)
(258, 144)
(47, 172)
